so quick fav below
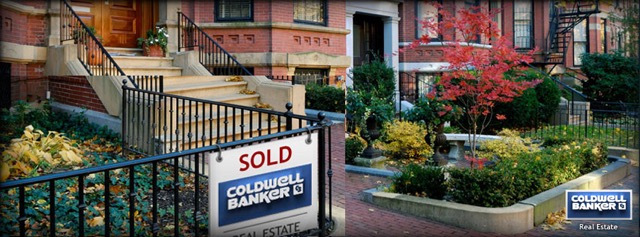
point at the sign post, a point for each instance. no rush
(266, 189)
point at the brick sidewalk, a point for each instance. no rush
(364, 219)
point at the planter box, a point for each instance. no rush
(515, 219)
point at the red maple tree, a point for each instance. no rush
(475, 78)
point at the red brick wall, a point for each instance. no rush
(248, 40)
(21, 28)
(75, 91)
(28, 82)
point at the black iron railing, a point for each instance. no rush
(159, 123)
(93, 56)
(149, 82)
(303, 80)
(141, 197)
(210, 54)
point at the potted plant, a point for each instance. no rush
(94, 56)
(155, 44)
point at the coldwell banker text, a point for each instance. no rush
(599, 204)
(264, 191)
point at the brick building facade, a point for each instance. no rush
(529, 25)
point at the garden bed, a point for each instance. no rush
(517, 218)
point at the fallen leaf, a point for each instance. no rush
(96, 221)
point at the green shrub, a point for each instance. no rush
(479, 187)
(376, 78)
(536, 104)
(372, 93)
(360, 105)
(324, 97)
(421, 181)
(512, 180)
(405, 140)
(354, 145)
(611, 77)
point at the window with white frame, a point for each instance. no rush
(234, 10)
(427, 11)
(426, 82)
(523, 24)
(579, 42)
(310, 11)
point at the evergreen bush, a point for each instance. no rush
(324, 97)
(422, 181)
(353, 145)
(611, 77)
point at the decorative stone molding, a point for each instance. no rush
(18, 53)
(314, 59)
(273, 25)
(17, 7)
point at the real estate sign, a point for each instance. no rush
(266, 189)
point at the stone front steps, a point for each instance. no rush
(189, 123)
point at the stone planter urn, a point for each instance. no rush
(441, 140)
(371, 135)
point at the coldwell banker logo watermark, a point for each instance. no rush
(266, 194)
(599, 205)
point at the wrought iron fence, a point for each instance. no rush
(159, 123)
(210, 54)
(303, 80)
(616, 124)
(68, 203)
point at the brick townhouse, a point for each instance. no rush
(529, 23)
(280, 38)
(287, 38)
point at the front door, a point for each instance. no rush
(119, 22)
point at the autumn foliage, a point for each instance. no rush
(476, 77)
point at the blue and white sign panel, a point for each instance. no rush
(599, 204)
(266, 189)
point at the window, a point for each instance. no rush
(311, 75)
(310, 11)
(234, 10)
(471, 3)
(579, 42)
(425, 10)
(426, 82)
(523, 24)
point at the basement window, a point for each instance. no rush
(310, 75)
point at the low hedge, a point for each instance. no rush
(510, 181)
(422, 181)
(323, 97)
(513, 180)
